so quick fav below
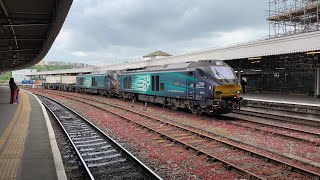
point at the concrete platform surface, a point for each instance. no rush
(25, 145)
(6, 110)
(280, 98)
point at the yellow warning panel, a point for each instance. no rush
(13, 139)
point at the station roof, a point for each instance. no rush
(300, 43)
(28, 29)
(63, 72)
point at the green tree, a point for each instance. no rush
(5, 76)
(50, 68)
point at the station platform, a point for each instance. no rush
(28, 149)
(285, 99)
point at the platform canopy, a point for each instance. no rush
(28, 28)
(308, 43)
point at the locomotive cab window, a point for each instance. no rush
(223, 72)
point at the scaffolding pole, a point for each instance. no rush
(288, 17)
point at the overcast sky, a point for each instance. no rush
(102, 31)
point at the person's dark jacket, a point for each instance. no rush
(12, 85)
(243, 82)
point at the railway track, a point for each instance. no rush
(232, 154)
(272, 125)
(71, 162)
(312, 137)
(291, 116)
(101, 157)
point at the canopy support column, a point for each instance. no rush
(317, 82)
(239, 76)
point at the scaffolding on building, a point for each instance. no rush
(288, 17)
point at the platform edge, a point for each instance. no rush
(283, 102)
(61, 174)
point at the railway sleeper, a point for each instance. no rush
(211, 159)
(227, 167)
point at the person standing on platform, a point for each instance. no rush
(243, 85)
(13, 89)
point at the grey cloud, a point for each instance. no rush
(155, 24)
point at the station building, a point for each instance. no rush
(20, 76)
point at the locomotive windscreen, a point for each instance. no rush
(223, 72)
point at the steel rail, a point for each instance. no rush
(297, 120)
(273, 126)
(292, 119)
(292, 167)
(127, 153)
(213, 158)
(72, 143)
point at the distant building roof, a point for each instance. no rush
(157, 53)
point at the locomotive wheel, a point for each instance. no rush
(173, 107)
(197, 111)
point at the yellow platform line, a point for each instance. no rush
(12, 123)
(13, 140)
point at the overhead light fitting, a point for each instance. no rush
(254, 58)
(314, 52)
(253, 62)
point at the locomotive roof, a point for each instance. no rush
(177, 66)
(94, 74)
(97, 73)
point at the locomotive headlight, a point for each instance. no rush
(238, 92)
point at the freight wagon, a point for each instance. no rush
(68, 83)
(52, 82)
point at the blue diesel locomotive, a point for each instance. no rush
(203, 86)
(103, 83)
